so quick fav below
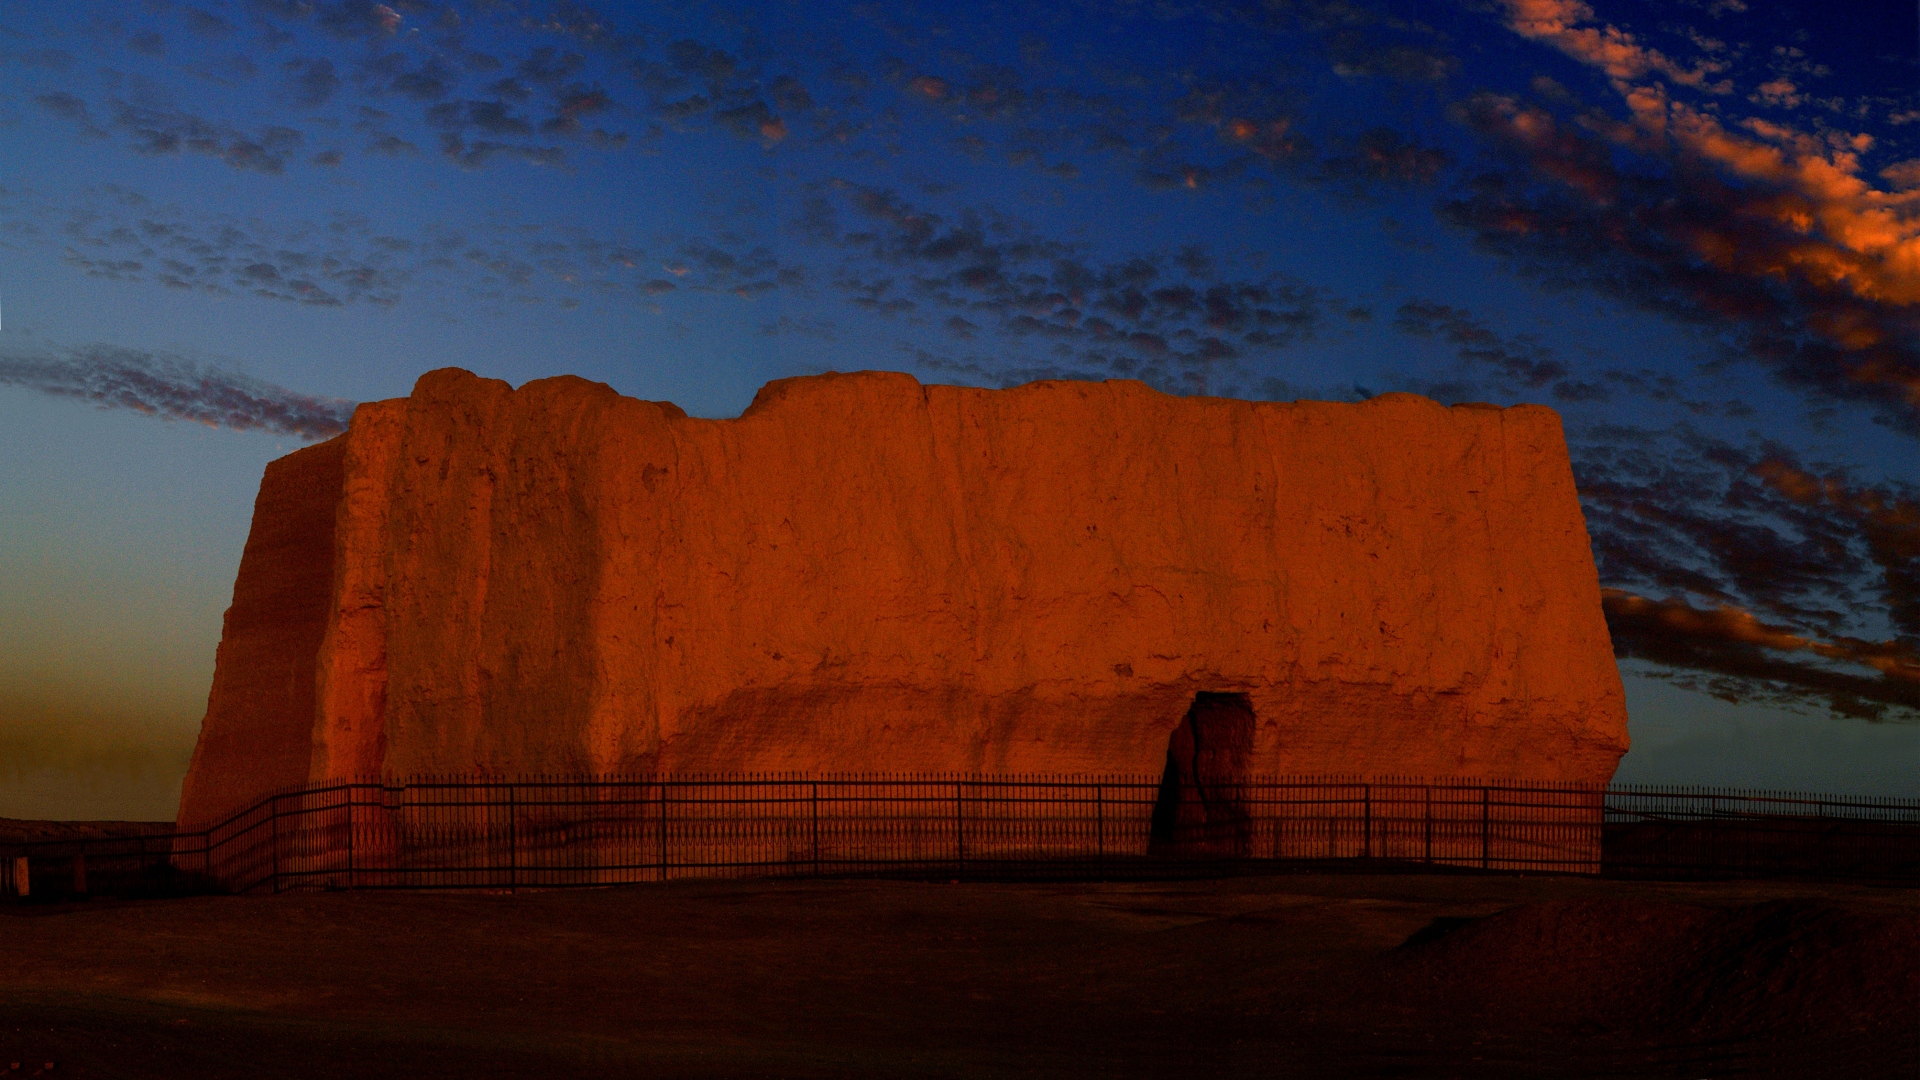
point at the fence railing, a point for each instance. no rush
(492, 833)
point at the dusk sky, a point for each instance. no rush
(1692, 227)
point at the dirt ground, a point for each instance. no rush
(1309, 975)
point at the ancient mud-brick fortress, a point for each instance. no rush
(862, 573)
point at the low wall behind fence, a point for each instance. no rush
(492, 833)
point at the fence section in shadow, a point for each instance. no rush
(550, 832)
(1704, 832)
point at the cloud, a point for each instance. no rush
(167, 131)
(332, 266)
(344, 260)
(1756, 555)
(1888, 522)
(1776, 240)
(310, 82)
(353, 18)
(1678, 512)
(148, 43)
(56, 59)
(171, 388)
(70, 108)
(1520, 362)
(391, 145)
(226, 71)
(1744, 659)
(1564, 25)
(1168, 319)
(482, 152)
(432, 80)
(205, 22)
(1382, 155)
(690, 83)
(548, 66)
(1362, 55)
(489, 117)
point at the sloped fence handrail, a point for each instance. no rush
(497, 832)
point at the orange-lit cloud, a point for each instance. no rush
(1781, 581)
(1780, 225)
(1748, 658)
(1853, 236)
(1566, 25)
(1765, 230)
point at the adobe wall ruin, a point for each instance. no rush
(862, 573)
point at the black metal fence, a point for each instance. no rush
(492, 833)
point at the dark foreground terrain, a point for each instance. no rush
(1331, 975)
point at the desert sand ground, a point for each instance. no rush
(1304, 975)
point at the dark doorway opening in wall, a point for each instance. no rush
(1201, 808)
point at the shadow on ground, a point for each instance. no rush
(1297, 976)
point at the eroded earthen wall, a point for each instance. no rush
(865, 574)
(257, 737)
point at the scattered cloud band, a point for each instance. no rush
(172, 388)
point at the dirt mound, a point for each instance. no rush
(1784, 967)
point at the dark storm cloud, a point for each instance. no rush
(173, 389)
(1777, 250)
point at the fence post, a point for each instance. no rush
(663, 830)
(513, 838)
(274, 811)
(1429, 828)
(1100, 830)
(349, 836)
(816, 828)
(1366, 837)
(959, 825)
(1486, 826)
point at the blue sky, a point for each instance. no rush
(1693, 227)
